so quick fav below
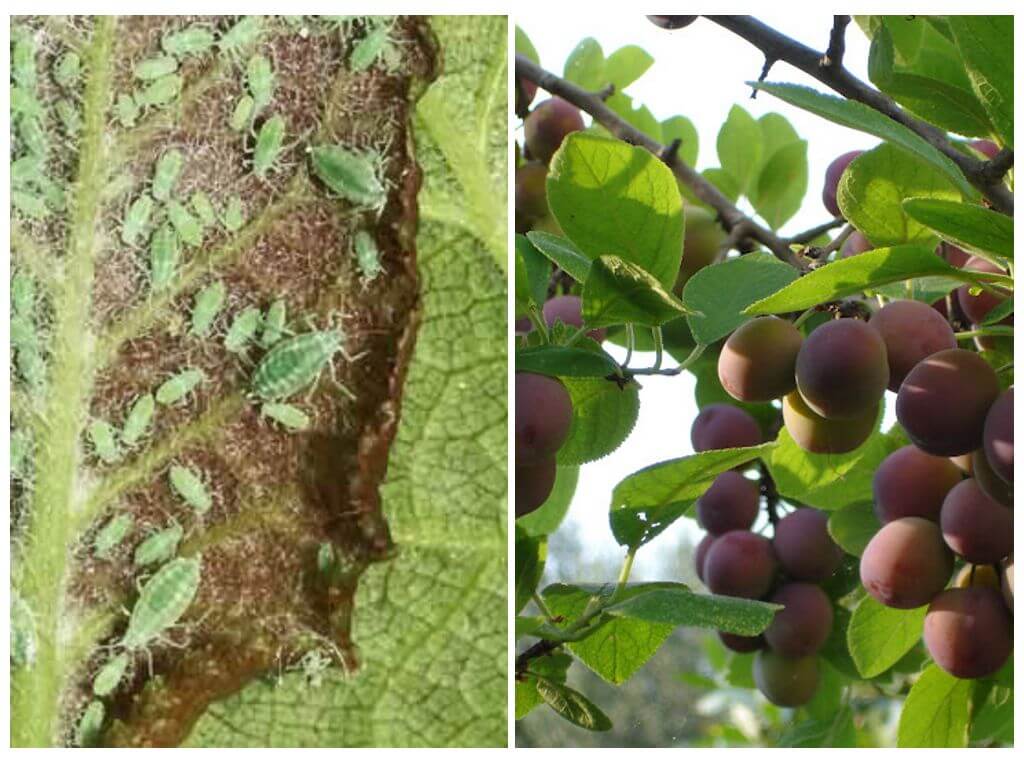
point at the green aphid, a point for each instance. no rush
(33, 137)
(164, 254)
(273, 323)
(352, 174)
(90, 725)
(209, 302)
(25, 170)
(67, 70)
(23, 294)
(245, 33)
(126, 110)
(52, 192)
(31, 365)
(287, 416)
(179, 386)
(136, 220)
(155, 68)
(21, 446)
(23, 61)
(189, 230)
(367, 256)
(243, 113)
(326, 559)
(165, 175)
(243, 329)
(260, 81)
(294, 364)
(138, 420)
(29, 205)
(159, 547)
(162, 601)
(191, 41)
(233, 217)
(104, 441)
(159, 92)
(110, 675)
(268, 145)
(204, 208)
(189, 486)
(376, 47)
(111, 534)
(24, 104)
(23, 632)
(69, 117)
(23, 331)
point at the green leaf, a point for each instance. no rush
(852, 527)
(880, 636)
(574, 362)
(530, 555)
(585, 65)
(610, 197)
(603, 416)
(776, 133)
(626, 65)
(683, 608)
(781, 185)
(533, 272)
(739, 147)
(682, 128)
(551, 667)
(861, 117)
(619, 292)
(971, 227)
(573, 706)
(837, 731)
(646, 502)
(545, 519)
(986, 44)
(722, 291)
(726, 184)
(992, 722)
(638, 116)
(853, 275)
(835, 649)
(525, 47)
(936, 712)
(875, 185)
(563, 254)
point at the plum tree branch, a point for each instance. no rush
(778, 47)
(592, 103)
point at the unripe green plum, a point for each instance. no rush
(968, 632)
(943, 402)
(912, 483)
(672, 22)
(832, 175)
(547, 126)
(543, 417)
(803, 546)
(976, 307)
(533, 484)
(816, 434)
(740, 564)
(758, 360)
(731, 503)
(906, 563)
(531, 195)
(702, 240)
(721, 426)
(569, 309)
(911, 330)
(997, 438)
(976, 526)
(786, 682)
(842, 369)
(991, 483)
(741, 643)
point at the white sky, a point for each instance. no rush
(700, 72)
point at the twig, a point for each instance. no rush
(836, 43)
(775, 45)
(591, 103)
(996, 168)
(821, 253)
(801, 238)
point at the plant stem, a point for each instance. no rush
(992, 330)
(627, 567)
(630, 344)
(543, 607)
(803, 316)
(538, 322)
(656, 333)
(690, 360)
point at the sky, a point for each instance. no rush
(700, 72)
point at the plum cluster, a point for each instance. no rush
(786, 569)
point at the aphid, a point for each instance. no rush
(233, 217)
(90, 725)
(190, 41)
(242, 114)
(23, 294)
(68, 115)
(25, 170)
(111, 534)
(179, 385)
(163, 257)
(155, 68)
(23, 632)
(23, 61)
(52, 192)
(136, 219)
(189, 230)
(137, 422)
(286, 415)
(162, 601)
(313, 664)
(268, 145)
(126, 110)
(208, 303)
(245, 33)
(159, 92)
(243, 329)
(273, 323)
(104, 441)
(29, 205)
(24, 104)
(260, 79)
(20, 447)
(367, 256)
(67, 69)
(190, 487)
(376, 46)
(204, 208)
(325, 558)
(159, 546)
(168, 168)
(295, 363)
(110, 675)
(31, 364)
(352, 174)
(33, 137)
